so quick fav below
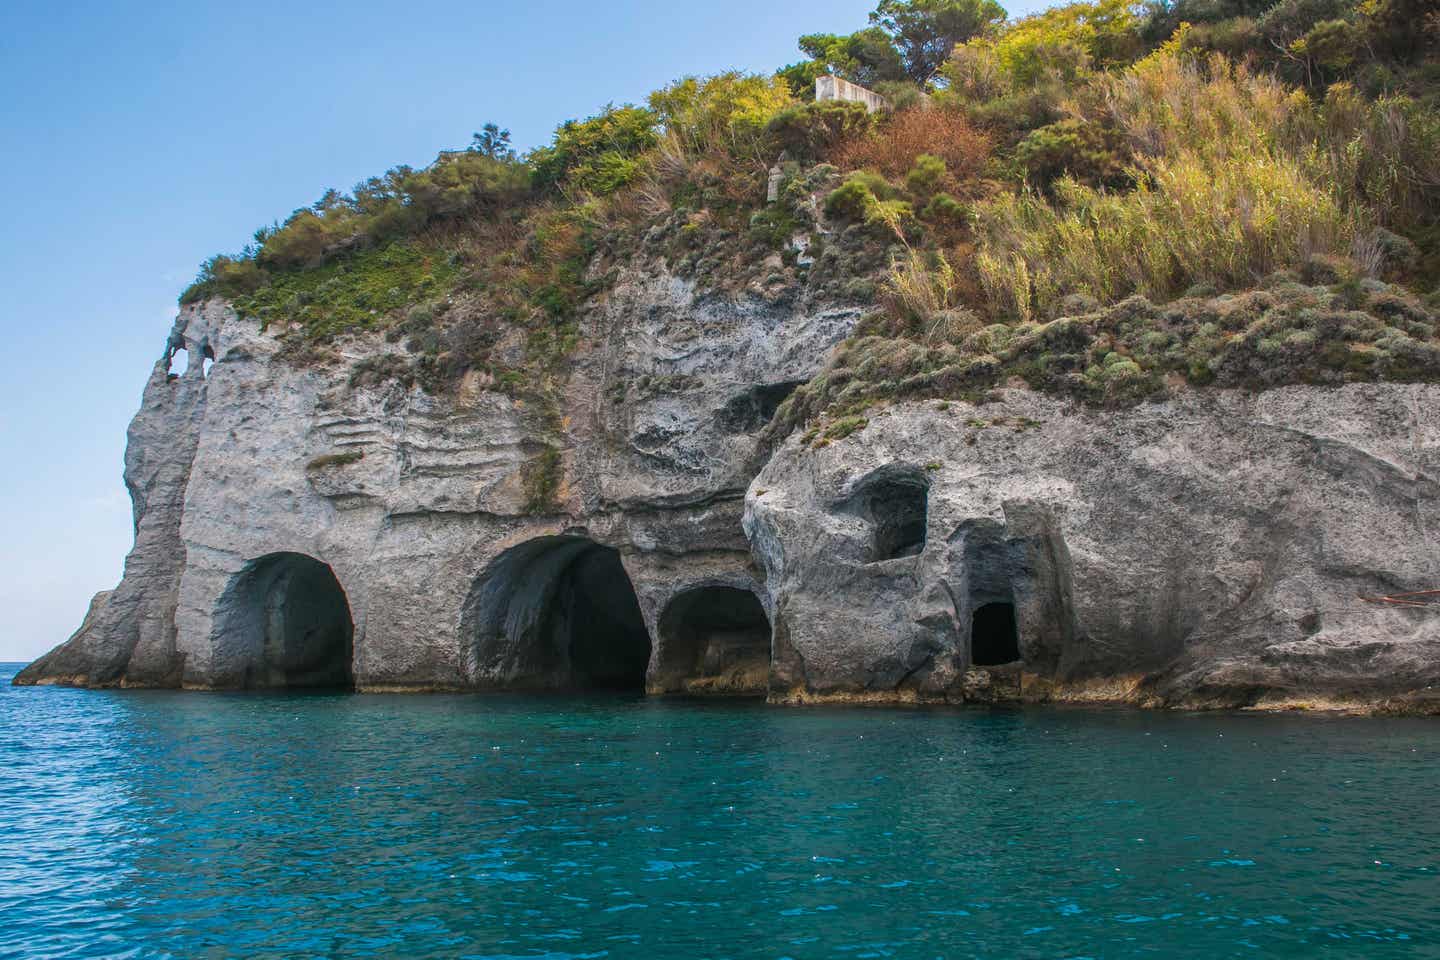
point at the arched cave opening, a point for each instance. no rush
(714, 640)
(994, 639)
(557, 613)
(292, 614)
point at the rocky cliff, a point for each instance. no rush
(1209, 550)
(298, 526)
(287, 520)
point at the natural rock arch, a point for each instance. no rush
(714, 640)
(177, 362)
(556, 612)
(290, 620)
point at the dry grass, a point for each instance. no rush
(892, 148)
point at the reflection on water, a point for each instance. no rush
(154, 824)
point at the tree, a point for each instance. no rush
(924, 32)
(494, 143)
(1069, 40)
(866, 57)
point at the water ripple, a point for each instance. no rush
(154, 825)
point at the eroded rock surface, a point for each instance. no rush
(1208, 550)
(417, 505)
(295, 528)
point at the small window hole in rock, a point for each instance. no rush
(207, 362)
(177, 363)
(896, 504)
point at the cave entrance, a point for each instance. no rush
(557, 613)
(749, 411)
(608, 643)
(714, 640)
(994, 639)
(292, 614)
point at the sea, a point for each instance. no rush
(217, 825)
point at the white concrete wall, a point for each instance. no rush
(831, 87)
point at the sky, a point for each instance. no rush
(140, 138)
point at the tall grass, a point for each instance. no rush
(1188, 220)
(1236, 176)
(924, 292)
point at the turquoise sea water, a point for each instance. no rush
(158, 824)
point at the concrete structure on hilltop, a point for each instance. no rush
(831, 87)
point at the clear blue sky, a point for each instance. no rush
(139, 138)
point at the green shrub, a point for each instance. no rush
(844, 427)
(223, 276)
(1289, 20)
(945, 209)
(773, 226)
(1067, 40)
(598, 155)
(926, 176)
(1085, 151)
(362, 289)
(1332, 44)
(808, 132)
(852, 200)
(726, 113)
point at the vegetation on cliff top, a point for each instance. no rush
(1105, 199)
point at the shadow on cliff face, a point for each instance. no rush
(290, 618)
(556, 613)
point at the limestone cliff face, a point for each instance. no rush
(417, 505)
(1208, 550)
(293, 529)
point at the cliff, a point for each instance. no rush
(265, 484)
(1089, 356)
(1209, 550)
(295, 527)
